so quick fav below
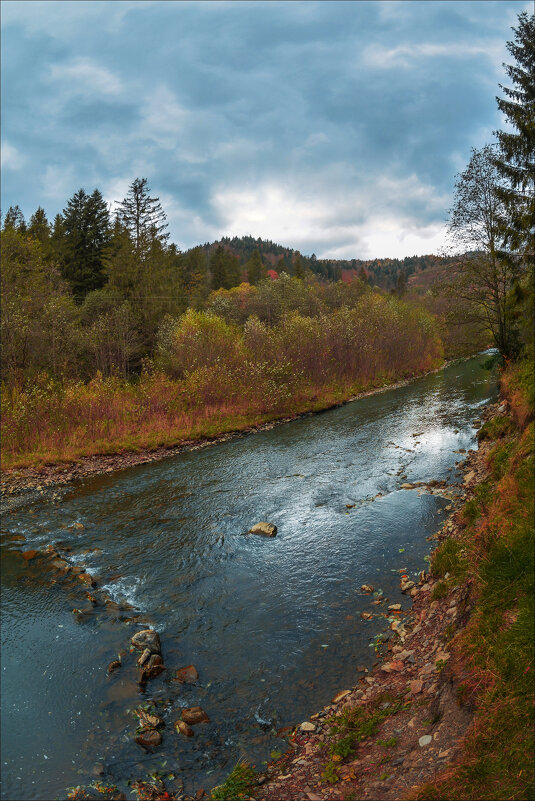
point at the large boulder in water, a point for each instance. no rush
(148, 638)
(264, 529)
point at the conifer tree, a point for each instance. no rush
(194, 275)
(299, 270)
(254, 268)
(143, 217)
(86, 226)
(233, 272)
(218, 265)
(15, 219)
(516, 159)
(39, 227)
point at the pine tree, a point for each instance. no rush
(143, 217)
(194, 275)
(15, 219)
(516, 159)
(254, 268)
(86, 225)
(299, 270)
(233, 272)
(401, 283)
(218, 265)
(39, 227)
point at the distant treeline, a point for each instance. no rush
(383, 273)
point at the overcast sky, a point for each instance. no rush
(331, 127)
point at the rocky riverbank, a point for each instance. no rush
(402, 723)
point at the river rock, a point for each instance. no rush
(406, 584)
(407, 485)
(147, 720)
(87, 578)
(145, 656)
(264, 529)
(148, 638)
(366, 615)
(394, 607)
(194, 715)
(182, 727)
(153, 667)
(115, 665)
(366, 588)
(307, 726)
(338, 697)
(186, 675)
(60, 564)
(149, 739)
(31, 554)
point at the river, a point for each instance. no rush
(272, 625)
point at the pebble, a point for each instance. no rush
(307, 726)
(425, 740)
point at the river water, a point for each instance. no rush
(272, 625)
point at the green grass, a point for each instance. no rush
(496, 649)
(353, 726)
(448, 558)
(237, 784)
(496, 428)
(440, 590)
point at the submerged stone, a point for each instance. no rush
(149, 739)
(194, 715)
(186, 675)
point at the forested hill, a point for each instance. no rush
(378, 272)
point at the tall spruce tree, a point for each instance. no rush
(299, 270)
(233, 272)
(516, 158)
(86, 235)
(15, 219)
(143, 217)
(218, 265)
(254, 268)
(39, 227)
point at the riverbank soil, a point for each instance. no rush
(447, 712)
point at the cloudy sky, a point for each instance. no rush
(331, 127)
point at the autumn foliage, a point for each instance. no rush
(209, 376)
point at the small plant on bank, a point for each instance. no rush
(354, 725)
(440, 590)
(237, 784)
(390, 743)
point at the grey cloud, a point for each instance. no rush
(226, 97)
